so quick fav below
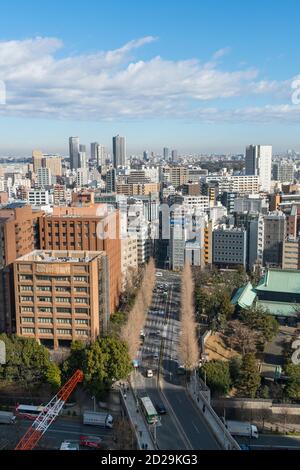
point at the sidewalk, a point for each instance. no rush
(143, 435)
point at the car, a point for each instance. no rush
(94, 442)
(159, 274)
(160, 408)
(149, 373)
(155, 356)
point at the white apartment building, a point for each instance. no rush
(38, 197)
(43, 177)
(259, 163)
(129, 257)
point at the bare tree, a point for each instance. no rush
(137, 315)
(189, 350)
(243, 338)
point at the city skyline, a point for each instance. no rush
(158, 80)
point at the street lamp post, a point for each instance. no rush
(94, 399)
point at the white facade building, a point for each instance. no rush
(38, 197)
(259, 162)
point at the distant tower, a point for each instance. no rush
(166, 153)
(119, 151)
(259, 162)
(74, 152)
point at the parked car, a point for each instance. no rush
(149, 373)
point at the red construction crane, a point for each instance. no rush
(49, 414)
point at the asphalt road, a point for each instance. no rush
(271, 441)
(184, 426)
(63, 429)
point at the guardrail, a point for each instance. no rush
(220, 432)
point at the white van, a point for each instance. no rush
(149, 373)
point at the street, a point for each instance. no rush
(183, 427)
(62, 429)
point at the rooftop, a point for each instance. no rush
(245, 296)
(45, 256)
(280, 280)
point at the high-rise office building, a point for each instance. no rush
(119, 151)
(37, 157)
(259, 162)
(166, 153)
(94, 146)
(74, 152)
(174, 155)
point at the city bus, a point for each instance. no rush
(149, 410)
(28, 411)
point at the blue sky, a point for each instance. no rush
(198, 76)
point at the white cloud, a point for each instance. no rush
(112, 84)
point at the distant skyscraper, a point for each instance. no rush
(119, 151)
(94, 146)
(259, 162)
(111, 176)
(166, 153)
(174, 155)
(74, 152)
(146, 155)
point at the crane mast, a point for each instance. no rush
(49, 414)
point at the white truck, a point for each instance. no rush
(94, 418)
(239, 428)
(6, 417)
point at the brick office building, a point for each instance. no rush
(82, 228)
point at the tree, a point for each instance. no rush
(225, 306)
(217, 376)
(242, 338)
(76, 359)
(107, 360)
(26, 360)
(235, 369)
(249, 380)
(188, 348)
(260, 320)
(54, 376)
(292, 388)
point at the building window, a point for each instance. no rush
(80, 279)
(80, 300)
(67, 321)
(82, 310)
(45, 320)
(27, 309)
(81, 333)
(80, 321)
(63, 300)
(26, 288)
(63, 310)
(27, 320)
(26, 299)
(64, 332)
(46, 331)
(44, 288)
(81, 289)
(44, 299)
(28, 330)
(63, 289)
